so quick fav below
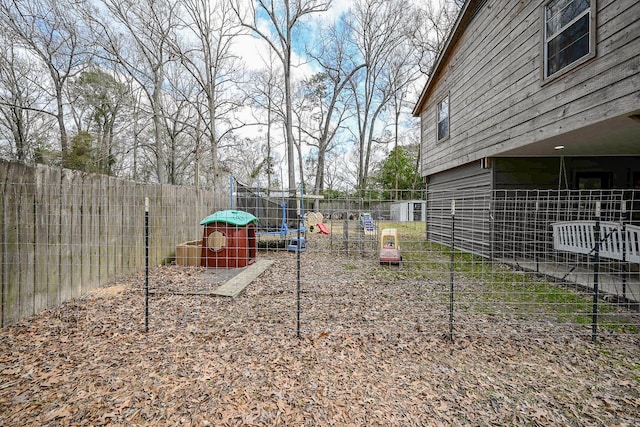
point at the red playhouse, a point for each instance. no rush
(229, 239)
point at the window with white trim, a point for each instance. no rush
(568, 34)
(443, 118)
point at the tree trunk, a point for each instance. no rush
(161, 172)
(288, 123)
(64, 140)
(318, 188)
(213, 149)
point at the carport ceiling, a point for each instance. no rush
(619, 136)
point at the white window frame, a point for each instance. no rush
(438, 120)
(546, 39)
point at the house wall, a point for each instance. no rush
(470, 186)
(547, 173)
(498, 100)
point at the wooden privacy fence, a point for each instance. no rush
(65, 232)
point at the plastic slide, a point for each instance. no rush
(368, 225)
(322, 228)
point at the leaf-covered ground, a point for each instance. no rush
(373, 350)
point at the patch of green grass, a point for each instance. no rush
(531, 296)
(499, 287)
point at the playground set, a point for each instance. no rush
(231, 238)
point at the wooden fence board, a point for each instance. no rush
(18, 290)
(126, 231)
(136, 212)
(155, 205)
(65, 232)
(115, 227)
(101, 204)
(52, 186)
(27, 237)
(12, 243)
(85, 200)
(41, 209)
(66, 235)
(3, 206)
(10, 289)
(91, 244)
(76, 206)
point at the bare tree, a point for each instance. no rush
(139, 131)
(282, 19)
(178, 118)
(340, 173)
(300, 111)
(326, 95)
(378, 30)
(399, 77)
(247, 161)
(52, 32)
(209, 58)
(434, 22)
(140, 36)
(21, 99)
(265, 90)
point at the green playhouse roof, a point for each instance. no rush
(237, 218)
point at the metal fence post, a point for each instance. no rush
(146, 264)
(298, 266)
(452, 268)
(596, 270)
(625, 267)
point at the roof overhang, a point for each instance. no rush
(618, 136)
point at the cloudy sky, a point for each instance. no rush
(251, 47)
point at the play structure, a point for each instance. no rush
(229, 239)
(390, 247)
(297, 244)
(283, 232)
(367, 223)
(281, 218)
(314, 221)
(322, 228)
(276, 213)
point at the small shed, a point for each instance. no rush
(229, 239)
(409, 210)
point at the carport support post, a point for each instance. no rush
(596, 270)
(452, 268)
(146, 264)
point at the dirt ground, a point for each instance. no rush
(371, 351)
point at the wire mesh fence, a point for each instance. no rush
(450, 264)
(138, 304)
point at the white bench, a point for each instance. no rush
(617, 241)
